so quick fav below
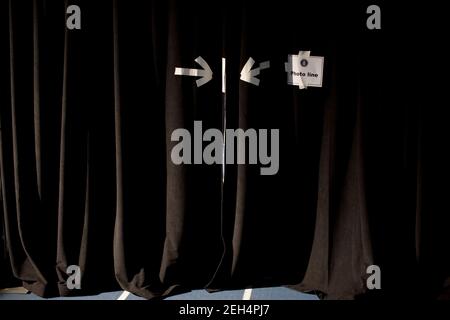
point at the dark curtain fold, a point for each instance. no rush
(86, 118)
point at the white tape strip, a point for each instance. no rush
(305, 54)
(124, 295)
(187, 72)
(264, 65)
(224, 77)
(247, 294)
(302, 54)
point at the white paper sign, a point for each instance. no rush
(304, 70)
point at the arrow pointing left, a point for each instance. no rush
(249, 75)
(205, 73)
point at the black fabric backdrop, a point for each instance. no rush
(86, 177)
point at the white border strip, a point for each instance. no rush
(124, 295)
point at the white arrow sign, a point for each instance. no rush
(249, 75)
(205, 73)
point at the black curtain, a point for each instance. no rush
(87, 178)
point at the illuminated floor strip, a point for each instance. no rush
(124, 295)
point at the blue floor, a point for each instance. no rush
(275, 293)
